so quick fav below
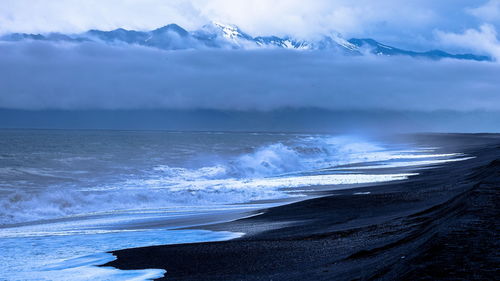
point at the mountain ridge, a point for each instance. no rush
(222, 36)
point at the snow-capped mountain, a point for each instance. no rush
(223, 36)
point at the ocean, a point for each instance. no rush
(69, 196)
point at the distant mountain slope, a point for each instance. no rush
(381, 49)
(221, 36)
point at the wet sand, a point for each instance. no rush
(439, 225)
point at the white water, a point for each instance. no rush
(63, 213)
(72, 188)
(73, 256)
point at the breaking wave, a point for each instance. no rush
(266, 172)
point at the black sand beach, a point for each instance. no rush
(439, 225)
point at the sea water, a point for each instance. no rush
(68, 197)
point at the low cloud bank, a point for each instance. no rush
(39, 75)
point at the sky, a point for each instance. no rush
(37, 75)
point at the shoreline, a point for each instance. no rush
(418, 228)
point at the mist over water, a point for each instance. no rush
(133, 87)
(236, 80)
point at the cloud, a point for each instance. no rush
(293, 17)
(484, 40)
(38, 75)
(34, 16)
(483, 37)
(405, 22)
(489, 12)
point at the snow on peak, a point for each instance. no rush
(339, 39)
(230, 31)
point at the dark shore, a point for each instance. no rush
(439, 225)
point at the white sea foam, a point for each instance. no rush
(409, 164)
(74, 257)
(158, 193)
